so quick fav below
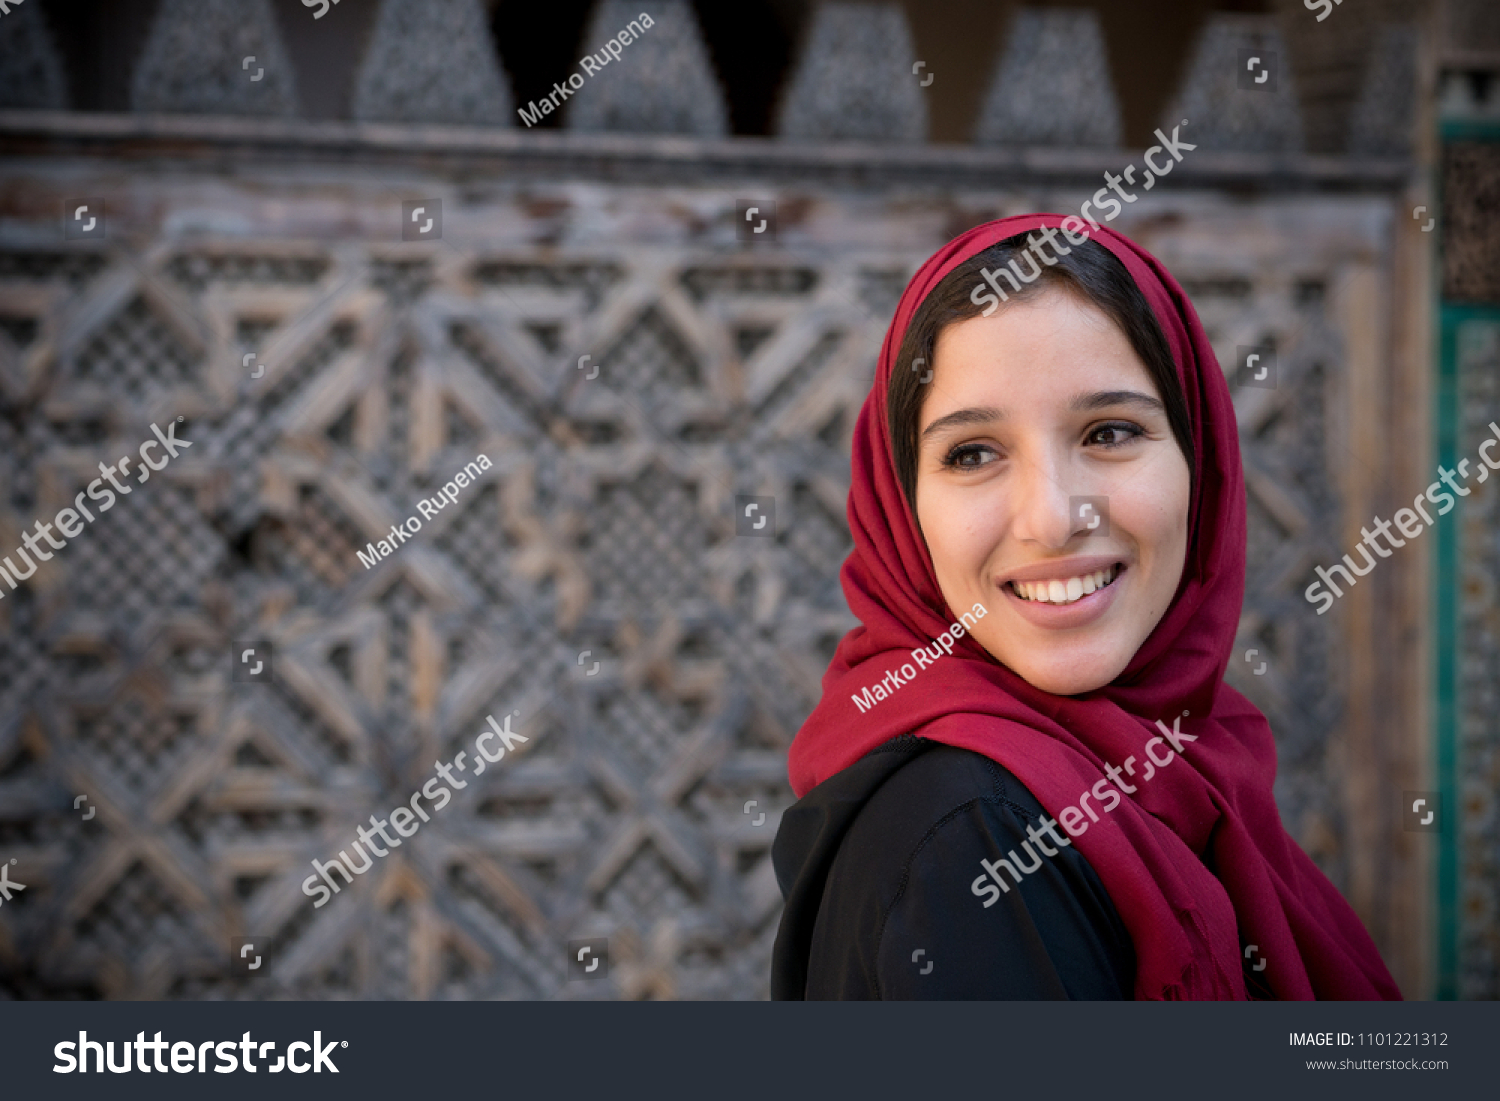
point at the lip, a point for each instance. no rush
(1081, 612)
(1061, 568)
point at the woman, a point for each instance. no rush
(1026, 777)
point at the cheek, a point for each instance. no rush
(1154, 514)
(1155, 522)
(961, 531)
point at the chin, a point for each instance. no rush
(1068, 675)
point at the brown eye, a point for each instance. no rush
(1115, 434)
(968, 456)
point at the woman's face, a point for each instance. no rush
(1028, 411)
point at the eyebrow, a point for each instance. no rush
(1083, 403)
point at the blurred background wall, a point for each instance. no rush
(207, 218)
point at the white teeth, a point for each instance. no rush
(1065, 592)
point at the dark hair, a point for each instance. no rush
(1089, 269)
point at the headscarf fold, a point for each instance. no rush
(1197, 859)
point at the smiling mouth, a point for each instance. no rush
(1066, 590)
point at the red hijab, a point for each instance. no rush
(1211, 807)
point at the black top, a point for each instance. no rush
(879, 866)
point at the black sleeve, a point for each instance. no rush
(900, 916)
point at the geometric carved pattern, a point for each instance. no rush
(1226, 110)
(663, 83)
(605, 524)
(1052, 86)
(1383, 118)
(432, 61)
(1291, 512)
(219, 57)
(1471, 239)
(854, 79)
(1470, 25)
(1479, 687)
(31, 73)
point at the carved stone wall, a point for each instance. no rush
(431, 61)
(331, 374)
(1471, 246)
(221, 57)
(663, 82)
(855, 77)
(1479, 731)
(1052, 84)
(30, 73)
(1238, 92)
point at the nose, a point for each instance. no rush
(1039, 501)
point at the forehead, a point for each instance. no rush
(1045, 348)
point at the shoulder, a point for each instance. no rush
(936, 789)
(909, 885)
(934, 781)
